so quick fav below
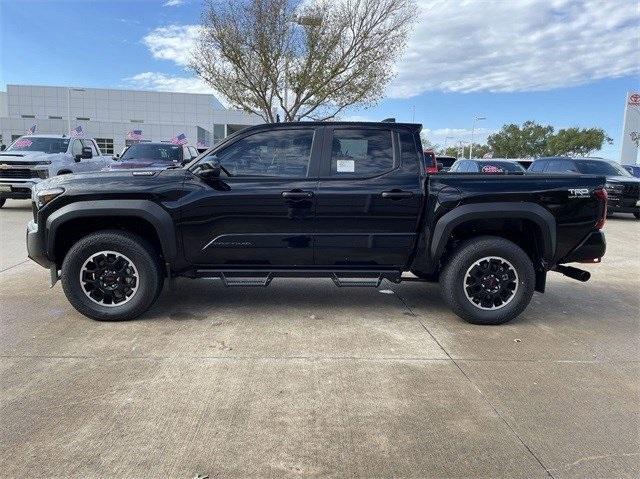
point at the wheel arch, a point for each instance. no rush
(505, 219)
(147, 219)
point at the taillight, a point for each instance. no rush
(601, 195)
(431, 164)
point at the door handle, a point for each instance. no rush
(297, 194)
(397, 194)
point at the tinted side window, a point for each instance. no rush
(408, 149)
(283, 153)
(553, 166)
(361, 153)
(537, 166)
(90, 144)
(567, 166)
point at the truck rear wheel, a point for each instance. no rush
(2, 201)
(112, 276)
(488, 280)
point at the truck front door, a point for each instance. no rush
(260, 212)
(369, 197)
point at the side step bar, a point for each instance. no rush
(262, 278)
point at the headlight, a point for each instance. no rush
(45, 196)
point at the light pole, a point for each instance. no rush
(473, 131)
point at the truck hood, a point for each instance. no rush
(105, 184)
(19, 157)
(141, 164)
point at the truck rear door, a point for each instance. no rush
(369, 197)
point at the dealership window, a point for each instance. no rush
(362, 153)
(27, 116)
(83, 118)
(136, 121)
(15, 137)
(105, 145)
(55, 117)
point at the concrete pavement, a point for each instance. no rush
(305, 379)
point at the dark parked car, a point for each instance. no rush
(154, 156)
(347, 201)
(622, 187)
(489, 166)
(634, 170)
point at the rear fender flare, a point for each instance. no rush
(144, 209)
(507, 210)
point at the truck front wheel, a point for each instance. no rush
(488, 280)
(111, 276)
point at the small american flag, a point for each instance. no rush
(134, 135)
(77, 132)
(181, 139)
(32, 130)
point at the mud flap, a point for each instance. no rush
(53, 271)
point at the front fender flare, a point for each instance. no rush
(507, 210)
(145, 209)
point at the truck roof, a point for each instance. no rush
(412, 126)
(42, 135)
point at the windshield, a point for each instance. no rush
(46, 145)
(141, 151)
(597, 167)
(499, 167)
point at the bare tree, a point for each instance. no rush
(310, 61)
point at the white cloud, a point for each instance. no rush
(162, 82)
(491, 45)
(174, 42)
(522, 45)
(173, 3)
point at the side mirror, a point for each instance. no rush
(210, 172)
(116, 156)
(3, 147)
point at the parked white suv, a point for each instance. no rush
(32, 158)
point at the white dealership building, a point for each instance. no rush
(109, 115)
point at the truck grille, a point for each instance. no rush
(19, 173)
(632, 190)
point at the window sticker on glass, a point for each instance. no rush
(492, 169)
(345, 166)
(24, 143)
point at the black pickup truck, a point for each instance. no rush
(347, 201)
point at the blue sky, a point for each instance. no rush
(564, 63)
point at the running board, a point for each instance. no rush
(262, 278)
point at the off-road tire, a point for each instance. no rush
(139, 251)
(452, 279)
(637, 215)
(2, 202)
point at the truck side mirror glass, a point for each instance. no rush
(3, 147)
